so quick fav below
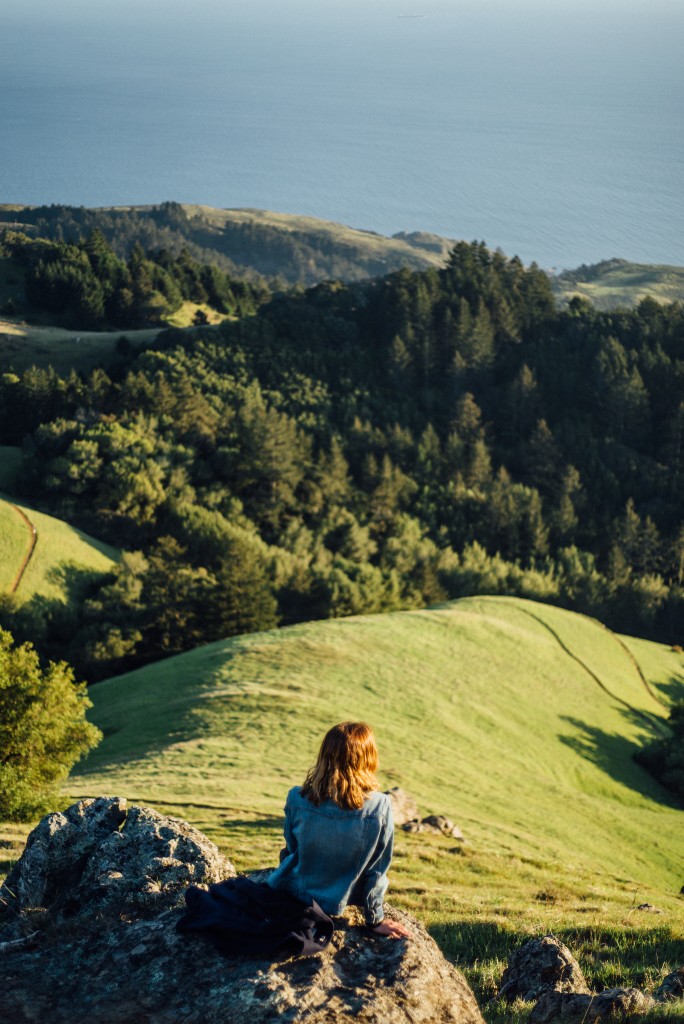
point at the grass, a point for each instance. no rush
(482, 715)
(35, 344)
(615, 283)
(62, 556)
(415, 250)
(185, 314)
(15, 542)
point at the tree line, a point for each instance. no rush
(85, 285)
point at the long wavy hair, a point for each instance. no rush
(345, 768)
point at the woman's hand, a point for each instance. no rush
(393, 929)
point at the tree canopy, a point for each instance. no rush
(43, 730)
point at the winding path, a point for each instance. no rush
(649, 718)
(33, 533)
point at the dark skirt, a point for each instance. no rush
(251, 918)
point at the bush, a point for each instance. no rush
(43, 730)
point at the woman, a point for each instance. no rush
(339, 831)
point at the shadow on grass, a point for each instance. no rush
(614, 755)
(674, 688)
(473, 944)
(47, 622)
(253, 822)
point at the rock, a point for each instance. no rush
(541, 966)
(672, 987)
(404, 807)
(578, 1008)
(106, 894)
(648, 908)
(438, 823)
(99, 853)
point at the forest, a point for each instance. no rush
(359, 448)
(86, 286)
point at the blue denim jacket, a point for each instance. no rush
(337, 856)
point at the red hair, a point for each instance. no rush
(345, 768)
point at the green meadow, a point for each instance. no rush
(60, 558)
(515, 719)
(23, 345)
(617, 283)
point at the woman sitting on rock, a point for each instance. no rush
(339, 831)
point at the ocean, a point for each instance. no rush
(551, 129)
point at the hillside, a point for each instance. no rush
(614, 284)
(482, 712)
(23, 345)
(251, 243)
(62, 558)
(299, 250)
(521, 745)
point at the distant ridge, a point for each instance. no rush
(299, 250)
(249, 243)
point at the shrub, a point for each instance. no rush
(43, 730)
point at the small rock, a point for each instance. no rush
(580, 1008)
(648, 908)
(672, 987)
(404, 807)
(541, 966)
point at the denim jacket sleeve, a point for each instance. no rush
(373, 883)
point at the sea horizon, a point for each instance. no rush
(553, 135)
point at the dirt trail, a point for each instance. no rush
(32, 545)
(649, 718)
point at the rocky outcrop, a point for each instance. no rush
(578, 1008)
(404, 807)
(99, 854)
(544, 971)
(93, 904)
(672, 987)
(539, 967)
(440, 823)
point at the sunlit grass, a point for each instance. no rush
(482, 715)
(59, 549)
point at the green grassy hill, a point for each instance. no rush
(616, 283)
(246, 242)
(484, 713)
(479, 711)
(61, 558)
